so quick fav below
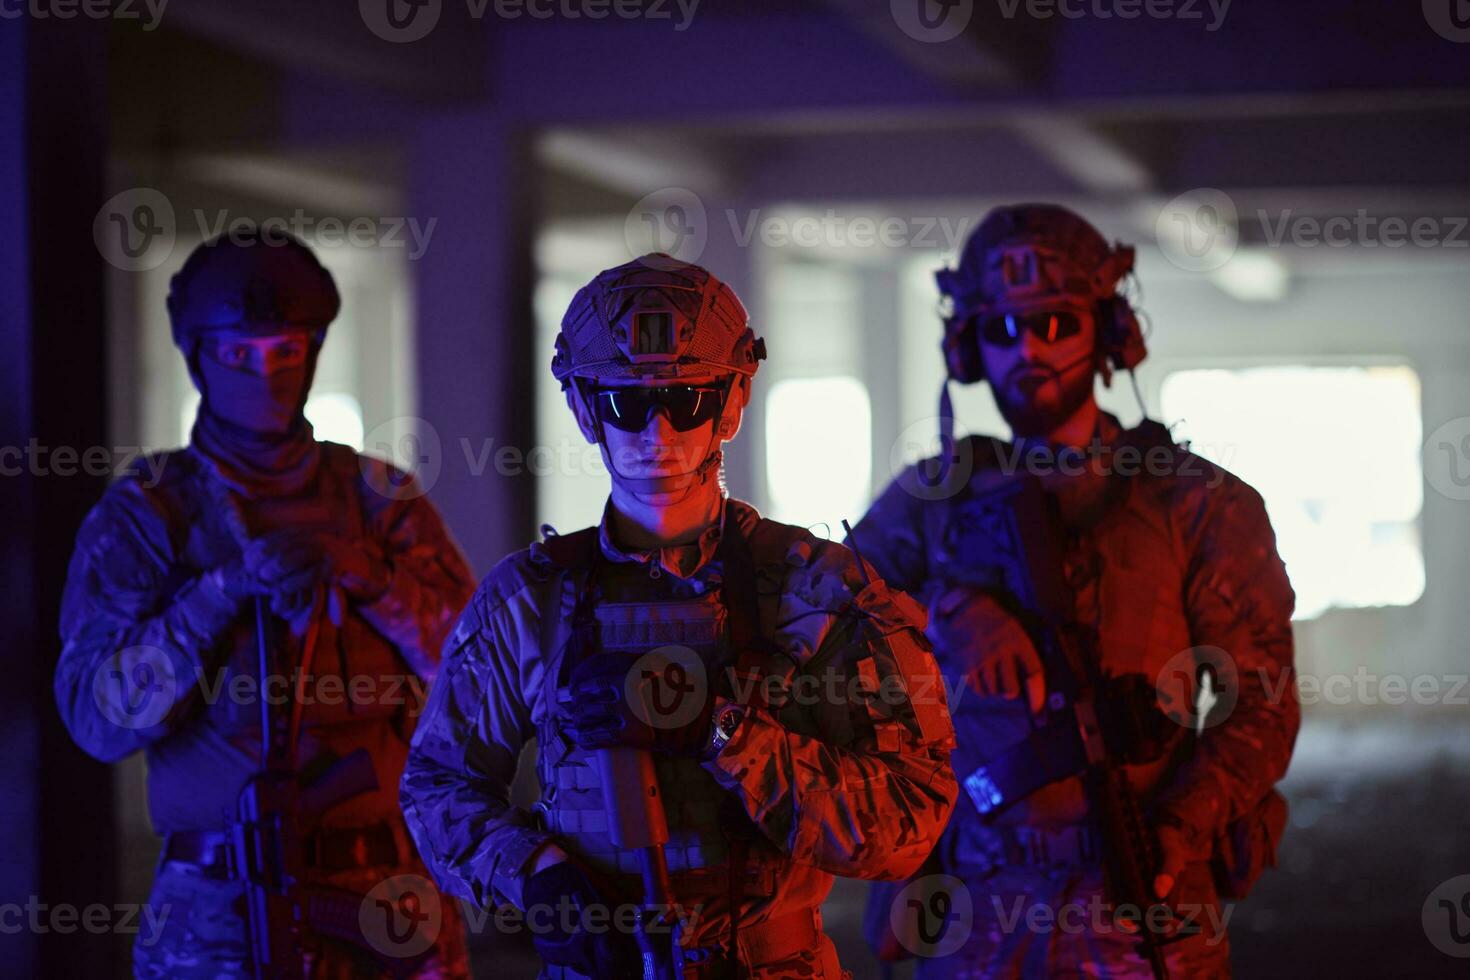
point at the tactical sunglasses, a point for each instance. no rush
(687, 406)
(1048, 326)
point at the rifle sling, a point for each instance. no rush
(737, 567)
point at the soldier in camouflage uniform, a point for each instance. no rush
(835, 763)
(360, 582)
(1173, 569)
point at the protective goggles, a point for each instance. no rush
(687, 406)
(1048, 326)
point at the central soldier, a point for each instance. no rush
(789, 703)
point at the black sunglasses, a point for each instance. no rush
(687, 406)
(1004, 329)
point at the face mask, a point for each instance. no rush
(267, 404)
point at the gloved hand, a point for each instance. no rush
(290, 563)
(287, 565)
(557, 900)
(665, 706)
(236, 582)
(970, 629)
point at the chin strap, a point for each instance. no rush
(697, 477)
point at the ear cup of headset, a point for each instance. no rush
(962, 351)
(1119, 336)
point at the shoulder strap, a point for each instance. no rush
(738, 568)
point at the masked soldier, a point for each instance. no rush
(264, 588)
(1087, 585)
(787, 704)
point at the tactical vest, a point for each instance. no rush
(1127, 583)
(619, 608)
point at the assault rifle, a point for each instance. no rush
(268, 844)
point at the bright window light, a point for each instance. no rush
(818, 452)
(1335, 452)
(334, 416)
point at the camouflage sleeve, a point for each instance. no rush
(848, 769)
(890, 537)
(1238, 599)
(430, 581)
(134, 639)
(455, 791)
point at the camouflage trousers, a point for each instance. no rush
(204, 934)
(1029, 922)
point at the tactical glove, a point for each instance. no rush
(572, 925)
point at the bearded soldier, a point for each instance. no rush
(1090, 588)
(258, 612)
(787, 703)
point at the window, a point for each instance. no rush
(1335, 452)
(819, 453)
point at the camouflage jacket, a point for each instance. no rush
(835, 786)
(156, 657)
(1184, 565)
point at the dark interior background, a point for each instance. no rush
(530, 152)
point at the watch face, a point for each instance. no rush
(729, 721)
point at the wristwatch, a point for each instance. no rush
(724, 723)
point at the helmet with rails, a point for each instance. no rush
(655, 318)
(1028, 257)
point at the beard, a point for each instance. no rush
(1033, 410)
